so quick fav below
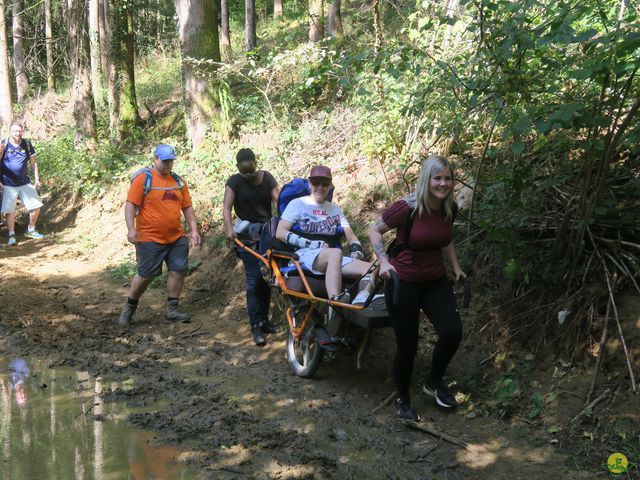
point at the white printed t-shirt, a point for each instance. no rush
(315, 218)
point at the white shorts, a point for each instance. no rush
(28, 196)
(306, 257)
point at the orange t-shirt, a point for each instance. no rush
(160, 217)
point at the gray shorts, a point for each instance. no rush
(27, 194)
(151, 255)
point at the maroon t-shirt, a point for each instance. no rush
(423, 260)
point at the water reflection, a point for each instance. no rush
(51, 428)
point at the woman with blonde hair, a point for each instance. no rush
(423, 222)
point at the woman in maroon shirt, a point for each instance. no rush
(429, 213)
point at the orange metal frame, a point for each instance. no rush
(271, 261)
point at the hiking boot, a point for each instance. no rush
(12, 240)
(268, 327)
(174, 315)
(258, 336)
(438, 391)
(126, 314)
(33, 234)
(405, 412)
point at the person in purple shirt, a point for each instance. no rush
(16, 153)
(428, 213)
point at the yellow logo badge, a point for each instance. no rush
(617, 463)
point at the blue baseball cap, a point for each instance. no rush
(165, 152)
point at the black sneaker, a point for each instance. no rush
(258, 337)
(438, 391)
(404, 411)
(268, 327)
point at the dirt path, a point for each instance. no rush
(234, 408)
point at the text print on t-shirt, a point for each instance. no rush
(170, 196)
(309, 224)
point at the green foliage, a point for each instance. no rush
(127, 268)
(158, 79)
(539, 403)
(87, 172)
(505, 392)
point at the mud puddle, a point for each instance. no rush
(54, 424)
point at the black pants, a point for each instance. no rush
(436, 299)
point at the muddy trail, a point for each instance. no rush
(236, 410)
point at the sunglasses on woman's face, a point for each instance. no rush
(320, 182)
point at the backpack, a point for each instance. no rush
(25, 144)
(296, 188)
(394, 248)
(149, 177)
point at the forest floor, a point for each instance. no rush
(236, 410)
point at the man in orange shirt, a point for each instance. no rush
(155, 228)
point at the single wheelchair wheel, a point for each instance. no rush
(304, 353)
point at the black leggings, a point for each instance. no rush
(436, 299)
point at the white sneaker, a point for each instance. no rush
(12, 240)
(361, 298)
(377, 302)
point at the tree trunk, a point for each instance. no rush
(111, 73)
(225, 34)
(6, 106)
(51, 78)
(250, 24)
(19, 64)
(97, 85)
(334, 21)
(278, 9)
(129, 116)
(159, 23)
(102, 37)
(316, 20)
(198, 32)
(83, 106)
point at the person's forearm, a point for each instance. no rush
(450, 255)
(36, 170)
(377, 242)
(130, 215)
(226, 215)
(351, 237)
(190, 217)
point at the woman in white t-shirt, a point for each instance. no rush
(318, 248)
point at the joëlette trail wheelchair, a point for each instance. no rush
(303, 297)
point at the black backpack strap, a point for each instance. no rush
(408, 226)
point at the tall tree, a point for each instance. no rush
(51, 78)
(83, 106)
(97, 84)
(159, 23)
(111, 68)
(19, 63)
(6, 106)
(334, 20)
(250, 24)
(198, 32)
(103, 38)
(316, 20)
(278, 9)
(225, 34)
(129, 116)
